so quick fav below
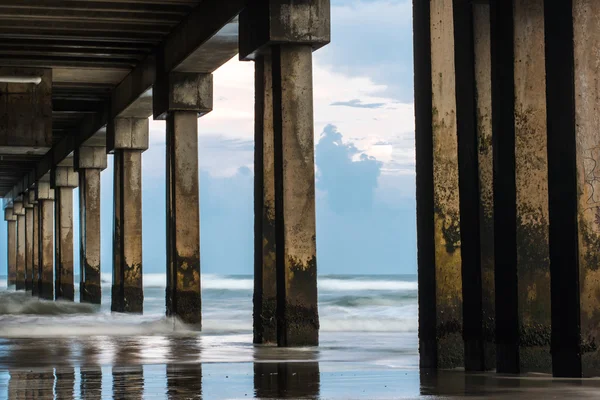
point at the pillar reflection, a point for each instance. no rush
(290, 380)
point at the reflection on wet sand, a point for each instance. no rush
(287, 380)
(91, 383)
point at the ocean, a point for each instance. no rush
(367, 323)
(368, 349)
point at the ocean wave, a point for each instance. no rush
(101, 325)
(393, 300)
(369, 325)
(22, 303)
(327, 284)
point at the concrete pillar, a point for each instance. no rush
(35, 288)
(19, 211)
(89, 162)
(574, 141)
(181, 99)
(265, 273)
(567, 148)
(28, 242)
(531, 169)
(11, 245)
(45, 198)
(438, 211)
(293, 30)
(64, 179)
(483, 96)
(130, 139)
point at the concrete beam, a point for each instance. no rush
(89, 231)
(263, 24)
(28, 242)
(63, 234)
(19, 211)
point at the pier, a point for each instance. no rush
(506, 99)
(80, 80)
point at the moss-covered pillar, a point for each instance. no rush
(45, 198)
(129, 138)
(438, 208)
(181, 98)
(89, 162)
(11, 244)
(64, 180)
(483, 97)
(28, 242)
(531, 169)
(521, 223)
(291, 31)
(35, 262)
(19, 211)
(265, 273)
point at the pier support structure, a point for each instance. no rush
(289, 32)
(507, 124)
(11, 244)
(28, 242)
(181, 98)
(89, 161)
(64, 179)
(35, 244)
(128, 137)
(19, 211)
(45, 199)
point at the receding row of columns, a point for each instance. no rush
(507, 151)
(285, 298)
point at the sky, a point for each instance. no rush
(364, 155)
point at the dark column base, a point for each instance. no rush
(35, 288)
(189, 307)
(132, 301)
(265, 325)
(47, 291)
(90, 293)
(67, 292)
(116, 302)
(299, 327)
(28, 285)
(20, 285)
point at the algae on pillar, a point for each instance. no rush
(64, 180)
(291, 32)
(181, 98)
(89, 162)
(11, 245)
(45, 198)
(19, 211)
(128, 137)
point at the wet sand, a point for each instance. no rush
(192, 367)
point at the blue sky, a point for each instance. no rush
(364, 136)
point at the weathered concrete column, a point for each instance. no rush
(89, 162)
(293, 30)
(129, 138)
(265, 273)
(181, 98)
(573, 84)
(523, 312)
(11, 245)
(19, 211)
(438, 208)
(64, 179)
(35, 262)
(45, 198)
(483, 96)
(28, 242)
